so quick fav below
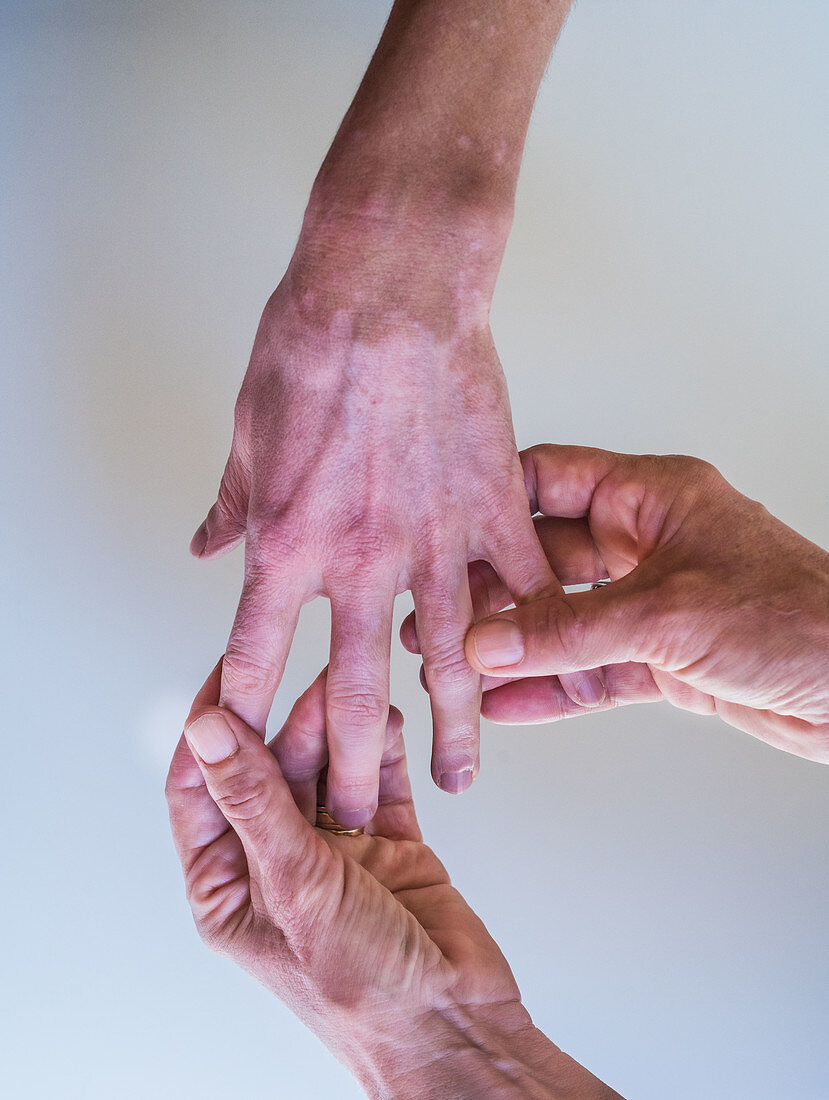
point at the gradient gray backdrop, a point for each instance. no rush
(658, 881)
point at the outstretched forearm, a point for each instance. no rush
(443, 110)
(426, 161)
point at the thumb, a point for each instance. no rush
(226, 521)
(569, 632)
(245, 782)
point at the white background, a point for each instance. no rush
(659, 882)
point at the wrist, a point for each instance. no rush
(388, 191)
(469, 1052)
(415, 255)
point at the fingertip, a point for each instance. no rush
(408, 634)
(589, 690)
(456, 782)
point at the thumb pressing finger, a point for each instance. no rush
(568, 633)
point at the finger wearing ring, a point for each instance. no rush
(326, 822)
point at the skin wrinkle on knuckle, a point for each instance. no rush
(690, 468)
(206, 905)
(242, 673)
(498, 498)
(277, 539)
(244, 797)
(294, 885)
(447, 667)
(231, 497)
(560, 631)
(356, 710)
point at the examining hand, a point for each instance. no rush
(715, 605)
(373, 449)
(363, 937)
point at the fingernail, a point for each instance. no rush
(498, 643)
(211, 738)
(455, 782)
(199, 541)
(352, 819)
(592, 690)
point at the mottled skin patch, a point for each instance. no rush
(373, 448)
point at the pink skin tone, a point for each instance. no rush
(363, 937)
(373, 449)
(715, 605)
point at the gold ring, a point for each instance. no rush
(326, 821)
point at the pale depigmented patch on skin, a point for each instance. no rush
(373, 447)
(401, 438)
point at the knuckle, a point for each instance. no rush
(231, 499)
(243, 674)
(695, 467)
(368, 541)
(687, 470)
(394, 725)
(623, 488)
(279, 539)
(244, 797)
(356, 710)
(500, 497)
(202, 901)
(561, 625)
(447, 667)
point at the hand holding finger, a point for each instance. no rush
(245, 783)
(567, 633)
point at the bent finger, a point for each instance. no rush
(542, 699)
(519, 559)
(395, 817)
(571, 553)
(245, 782)
(560, 480)
(570, 549)
(225, 524)
(301, 748)
(195, 819)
